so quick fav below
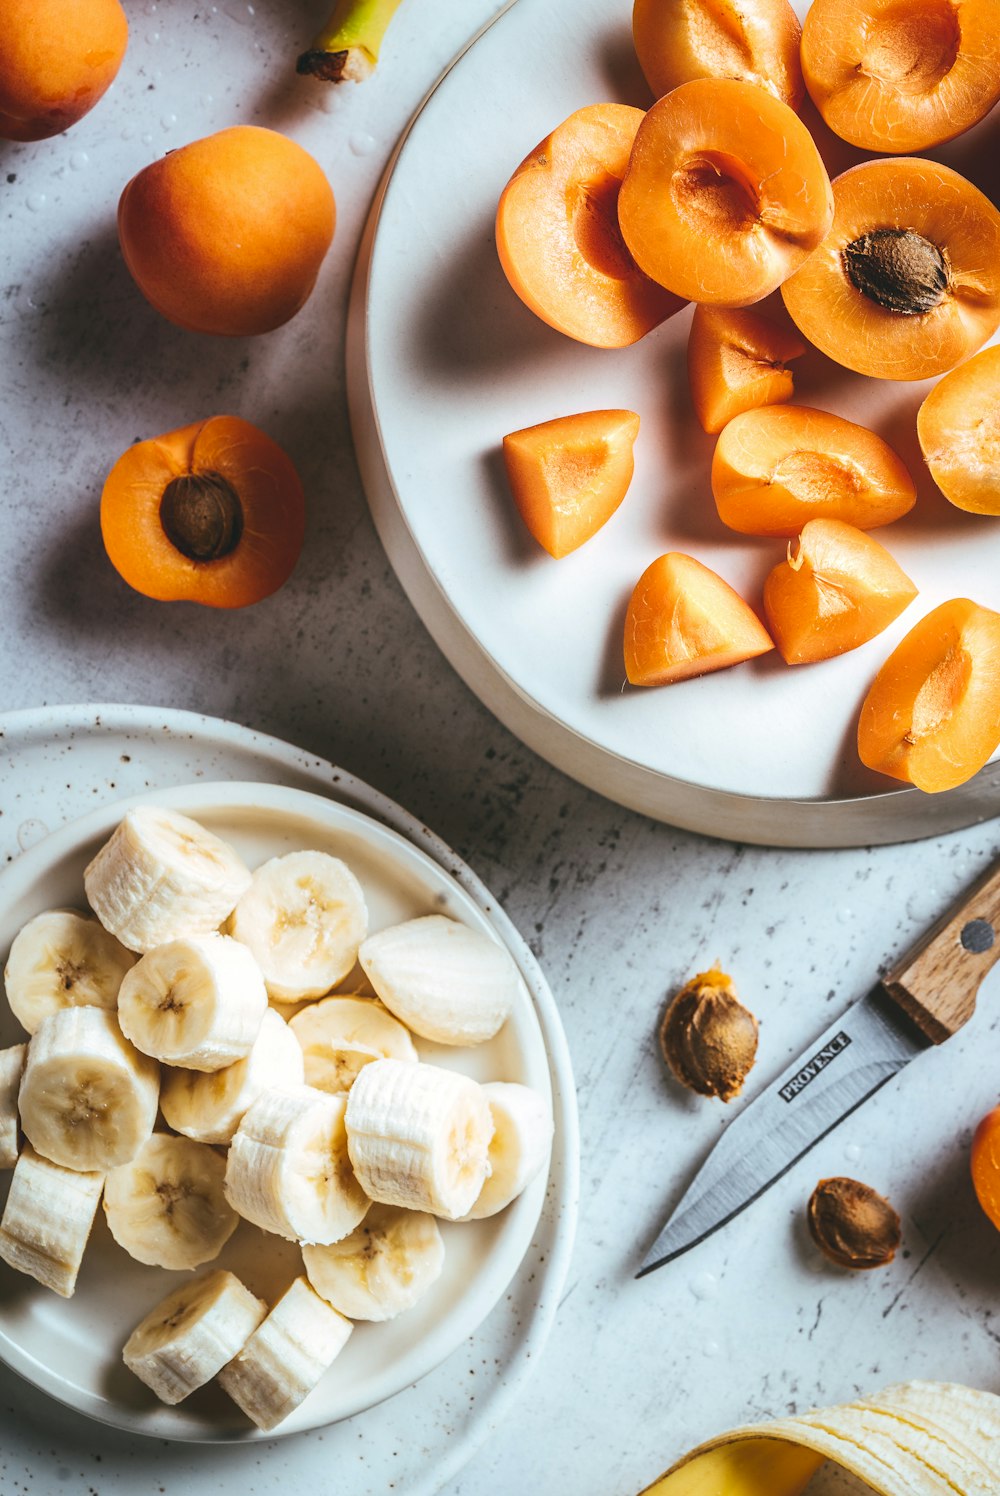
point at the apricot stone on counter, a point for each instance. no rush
(738, 360)
(932, 713)
(57, 59)
(837, 589)
(684, 620)
(708, 1038)
(778, 467)
(558, 237)
(959, 429)
(569, 475)
(907, 282)
(725, 193)
(753, 40)
(901, 75)
(853, 1224)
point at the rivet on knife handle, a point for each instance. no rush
(937, 980)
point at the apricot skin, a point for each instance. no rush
(737, 361)
(227, 235)
(756, 41)
(985, 1164)
(683, 620)
(959, 429)
(57, 59)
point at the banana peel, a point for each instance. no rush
(347, 49)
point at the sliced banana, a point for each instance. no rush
(188, 1338)
(161, 876)
(11, 1069)
(197, 1002)
(209, 1105)
(341, 1034)
(47, 1220)
(61, 959)
(285, 1357)
(443, 980)
(382, 1268)
(303, 916)
(166, 1207)
(88, 1097)
(419, 1136)
(288, 1170)
(519, 1148)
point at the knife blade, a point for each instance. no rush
(927, 996)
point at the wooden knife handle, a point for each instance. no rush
(936, 982)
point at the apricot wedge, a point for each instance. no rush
(932, 714)
(837, 589)
(568, 476)
(907, 282)
(725, 193)
(959, 430)
(737, 360)
(558, 237)
(901, 75)
(777, 467)
(755, 40)
(684, 620)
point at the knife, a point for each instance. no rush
(925, 998)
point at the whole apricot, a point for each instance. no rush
(57, 59)
(227, 235)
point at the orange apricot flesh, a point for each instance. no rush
(57, 59)
(569, 475)
(558, 238)
(777, 467)
(959, 429)
(737, 361)
(907, 282)
(754, 40)
(985, 1163)
(932, 713)
(901, 75)
(725, 193)
(684, 620)
(837, 589)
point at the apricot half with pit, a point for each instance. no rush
(738, 360)
(907, 282)
(959, 430)
(57, 59)
(754, 40)
(725, 193)
(684, 620)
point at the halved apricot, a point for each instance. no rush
(932, 714)
(558, 237)
(725, 193)
(755, 40)
(901, 75)
(684, 620)
(775, 468)
(959, 430)
(737, 360)
(568, 476)
(837, 589)
(907, 282)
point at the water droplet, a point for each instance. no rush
(208, 98)
(168, 121)
(251, 11)
(30, 833)
(852, 1153)
(146, 138)
(712, 1348)
(923, 905)
(154, 36)
(79, 161)
(362, 144)
(705, 1286)
(845, 916)
(37, 201)
(127, 133)
(332, 99)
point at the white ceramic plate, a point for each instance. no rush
(443, 359)
(72, 1349)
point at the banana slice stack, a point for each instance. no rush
(328, 1130)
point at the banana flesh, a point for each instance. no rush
(519, 1148)
(383, 1268)
(161, 876)
(285, 1357)
(47, 1220)
(197, 1002)
(11, 1069)
(209, 1106)
(63, 959)
(340, 1035)
(190, 1336)
(166, 1207)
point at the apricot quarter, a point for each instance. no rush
(959, 429)
(737, 360)
(932, 713)
(57, 58)
(837, 589)
(754, 40)
(558, 237)
(775, 468)
(568, 476)
(684, 620)
(907, 282)
(725, 193)
(227, 235)
(901, 75)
